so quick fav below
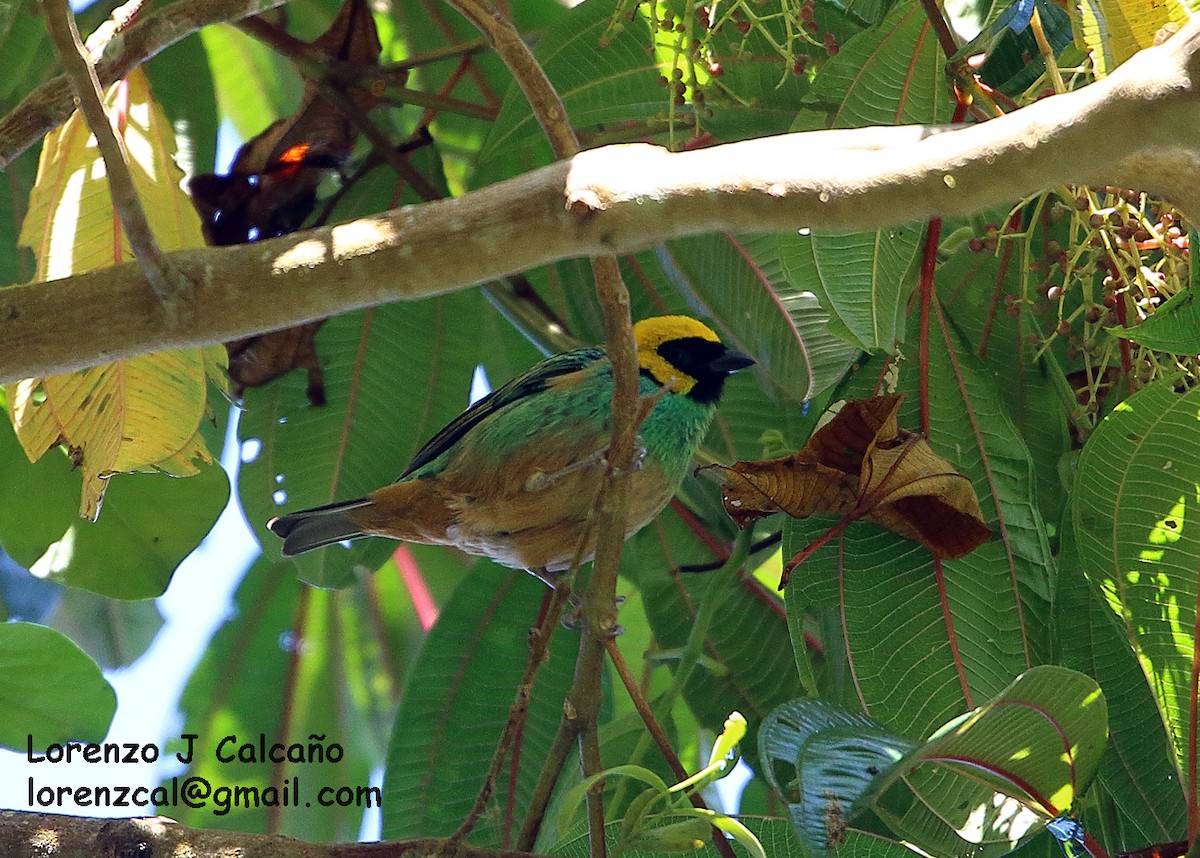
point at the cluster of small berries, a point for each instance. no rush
(1129, 253)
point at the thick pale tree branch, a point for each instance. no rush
(48, 106)
(36, 835)
(1136, 128)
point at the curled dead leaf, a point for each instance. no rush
(271, 189)
(862, 465)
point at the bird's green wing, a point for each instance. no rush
(534, 380)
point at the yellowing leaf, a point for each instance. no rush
(1115, 30)
(133, 415)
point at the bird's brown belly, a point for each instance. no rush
(523, 525)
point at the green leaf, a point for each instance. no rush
(37, 500)
(183, 84)
(893, 74)
(924, 640)
(1173, 327)
(862, 279)
(1136, 493)
(1038, 742)
(618, 83)
(22, 37)
(455, 704)
(50, 691)
(114, 632)
(150, 524)
(298, 665)
(971, 286)
(394, 375)
(254, 85)
(1139, 764)
(17, 262)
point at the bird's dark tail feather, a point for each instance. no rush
(317, 527)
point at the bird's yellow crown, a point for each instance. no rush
(653, 332)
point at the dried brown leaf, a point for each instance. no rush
(862, 465)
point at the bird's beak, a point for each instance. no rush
(731, 362)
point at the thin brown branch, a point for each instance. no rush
(50, 104)
(167, 284)
(589, 752)
(599, 603)
(941, 27)
(539, 646)
(660, 738)
(34, 835)
(539, 800)
(463, 49)
(631, 197)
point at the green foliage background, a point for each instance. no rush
(1092, 570)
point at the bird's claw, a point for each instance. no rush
(574, 620)
(541, 479)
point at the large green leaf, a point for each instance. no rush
(150, 524)
(925, 640)
(37, 500)
(971, 284)
(50, 691)
(1136, 494)
(22, 38)
(183, 84)
(293, 662)
(455, 704)
(888, 75)
(893, 74)
(114, 632)
(1139, 764)
(863, 279)
(254, 85)
(617, 94)
(17, 262)
(1174, 327)
(740, 281)
(616, 84)
(1038, 742)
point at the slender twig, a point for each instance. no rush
(170, 286)
(543, 789)
(1039, 36)
(660, 737)
(404, 95)
(599, 604)
(539, 644)
(462, 49)
(693, 649)
(941, 27)
(385, 82)
(380, 141)
(589, 754)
